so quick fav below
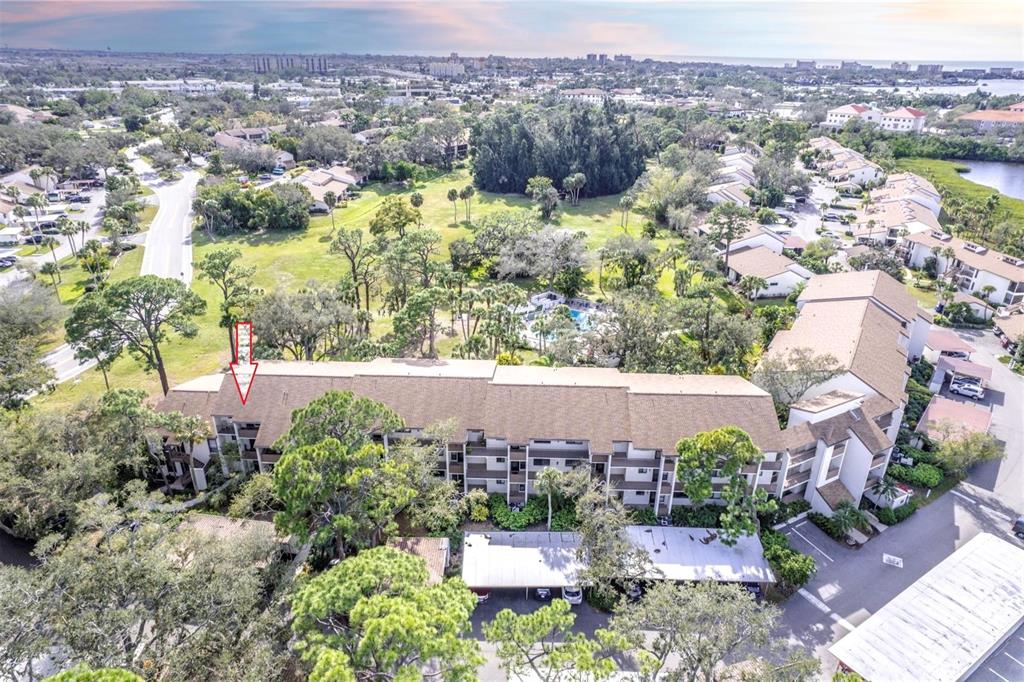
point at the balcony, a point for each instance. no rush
(635, 462)
(620, 483)
(879, 460)
(802, 456)
(270, 457)
(455, 467)
(798, 478)
(771, 466)
(248, 454)
(248, 433)
(479, 451)
(481, 471)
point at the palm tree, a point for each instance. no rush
(548, 483)
(53, 244)
(331, 200)
(68, 229)
(37, 202)
(83, 228)
(988, 290)
(749, 285)
(846, 517)
(466, 194)
(453, 196)
(626, 203)
(949, 254)
(13, 192)
(416, 199)
(885, 488)
(53, 270)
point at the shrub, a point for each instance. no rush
(792, 567)
(891, 517)
(921, 475)
(784, 512)
(602, 600)
(477, 502)
(825, 523)
(922, 371)
(564, 519)
(508, 519)
(644, 516)
(706, 516)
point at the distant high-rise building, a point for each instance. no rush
(623, 58)
(602, 58)
(806, 64)
(1001, 71)
(929, 69)
(269, 64)
(851, 66)
(900, 66)
(591, 56)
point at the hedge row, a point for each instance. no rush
(921, 475)
(891, 517)
(534, 511)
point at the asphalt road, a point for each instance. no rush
(168, 245)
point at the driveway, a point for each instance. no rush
(999, 482)
(852, 584)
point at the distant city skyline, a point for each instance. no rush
(869, 30)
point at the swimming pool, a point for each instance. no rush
(581, 318)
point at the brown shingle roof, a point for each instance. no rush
(862, 284)
(433, 551)
(517, 403)
(760, 262)
(863, 338)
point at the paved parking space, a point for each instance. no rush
(1005, 664)
(588, 619)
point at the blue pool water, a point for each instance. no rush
(581, 318)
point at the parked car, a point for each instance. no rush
(955, 354)
(1018, 527)
(263, 177)
(542, 594)
(830, 234)
(34, 239)
(573, 595)
(832, 217)
(967, 389)
(53, 196)
(801, 200)
(7, 261)
(80, 199)
(482, 594)
(278, 171)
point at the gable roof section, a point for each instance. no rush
(862, 284)
(760, 261)
(863, 338)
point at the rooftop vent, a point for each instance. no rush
(941, 236)
(1013, 261)
(975, 248)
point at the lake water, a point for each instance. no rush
(1006, 177)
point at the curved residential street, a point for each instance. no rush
(168, 245)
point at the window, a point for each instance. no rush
(499, 460)
(522, 487)
(641, 470)
(541, 442)
(501, 481)
(541, 462)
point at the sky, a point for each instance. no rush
(913, 30)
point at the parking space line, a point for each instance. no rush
(981, 504)
(813, 545)
(998, 675)
(823, 607)
(1015, 660)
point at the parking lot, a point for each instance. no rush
(588, 619)
(1005, 664)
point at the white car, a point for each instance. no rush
(968, 389)
(573, 595)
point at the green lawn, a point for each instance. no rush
(290, 260)
(944, 176)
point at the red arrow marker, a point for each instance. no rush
(243, 369)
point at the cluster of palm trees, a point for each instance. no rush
(454, 195)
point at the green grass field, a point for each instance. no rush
(289, 260)
(944, 176)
